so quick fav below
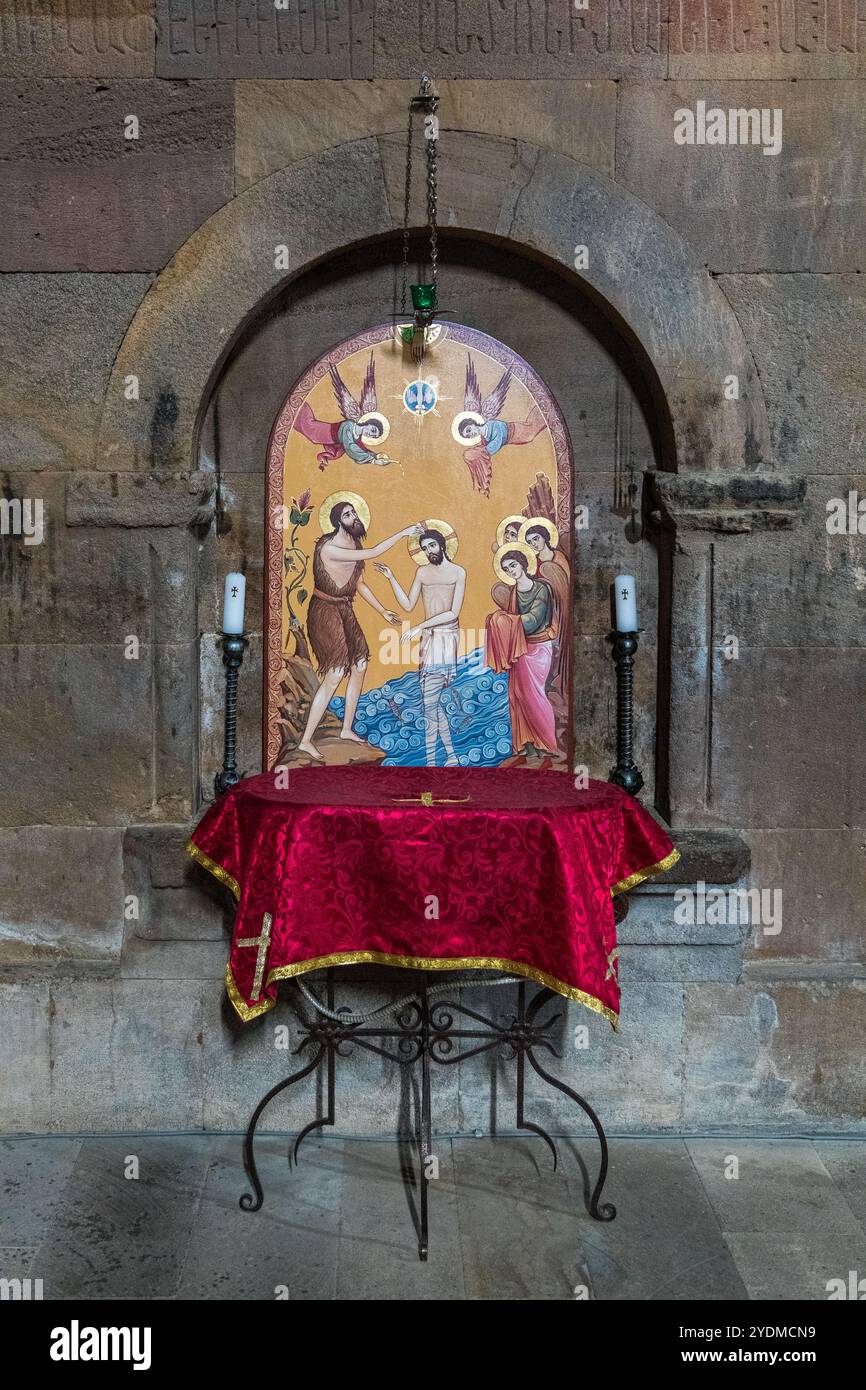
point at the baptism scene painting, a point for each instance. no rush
(419, 560)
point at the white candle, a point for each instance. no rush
(233, 603)
(626, 603)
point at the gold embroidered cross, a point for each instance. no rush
(428, 799)
(262, 942)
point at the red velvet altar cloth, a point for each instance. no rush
(505, 870)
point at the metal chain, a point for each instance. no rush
(407, 197)
(398, 1004)
(431, 147)
(432, 192)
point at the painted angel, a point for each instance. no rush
(360, 431)
(481, 427)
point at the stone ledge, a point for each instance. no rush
(731, 503)
(707, 856)
(140, 499)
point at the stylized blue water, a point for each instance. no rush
(476, 706)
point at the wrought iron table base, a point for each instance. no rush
(427, 1033)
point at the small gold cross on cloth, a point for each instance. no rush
(262, 942)
(428, 799)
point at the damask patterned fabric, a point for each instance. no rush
(432, 868)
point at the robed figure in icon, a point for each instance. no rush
(361, 430)
(542, 537)
(334, 632)
(520, 638)
(440, 584)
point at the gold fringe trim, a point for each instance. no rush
(512, 967)
(244, 1010)
(660, 868)
(212, 867)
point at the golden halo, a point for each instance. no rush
(524, 550)
(380, 420)
(507, 521)
(548, 526)
(357, 502)
(443, 527)
(461, 420)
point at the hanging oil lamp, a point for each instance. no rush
(425, 308)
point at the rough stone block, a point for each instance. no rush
(59, 335)
(252, 38)
(470, 183)
(25, 1087)
(819, 876)
(806, 333)
(175, 696)
(193, 323)
(71, 586)
(554, 206)
(755, 700)
(81, 195)
(78, 734)
(754, 578)
(126, 1054)
(87, 39)
(775, 1056)
(61, 890)
(804, 209)
(178, 900)
(277, 123)
(85, 584)
(716, 856)
(136, 499)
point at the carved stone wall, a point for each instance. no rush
(136, 277)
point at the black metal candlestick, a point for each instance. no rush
(233, 655)
(626, 774)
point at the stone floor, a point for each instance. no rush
(502, 1225)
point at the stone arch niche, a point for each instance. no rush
(649, 305)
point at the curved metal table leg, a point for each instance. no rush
(330, 1117)
(248, 1202)
(426, 1123)
(607, 1211)
(524, 1018)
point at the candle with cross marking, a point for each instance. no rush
(233, 603)
(626, 603)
